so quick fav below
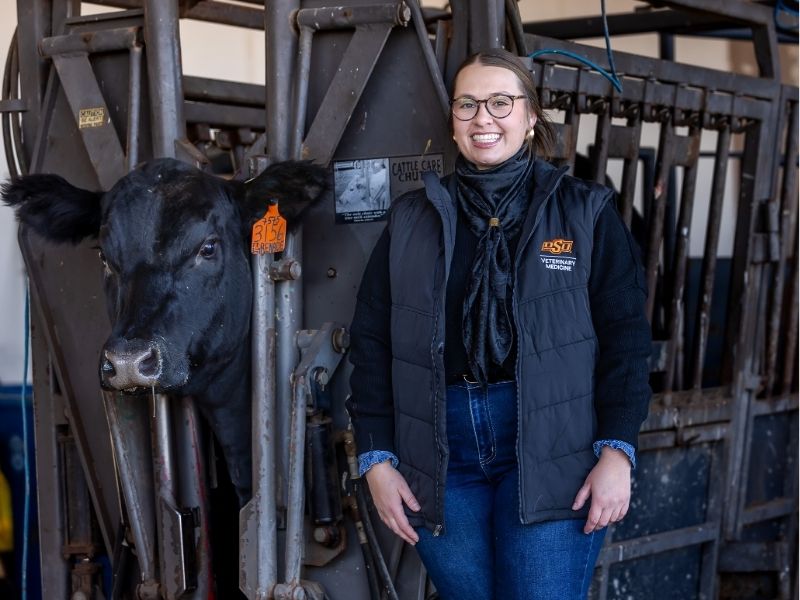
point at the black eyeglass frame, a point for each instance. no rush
(485, 102)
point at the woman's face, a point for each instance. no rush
(485, 140)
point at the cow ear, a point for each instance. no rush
(53, 207)
(296, 185)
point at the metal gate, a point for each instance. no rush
(714, 510)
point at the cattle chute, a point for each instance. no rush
(343, 88)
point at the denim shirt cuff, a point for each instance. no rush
(367, 460)
(617, 444)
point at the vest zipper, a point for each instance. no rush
(515, 311)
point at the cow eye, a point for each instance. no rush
(208, 249)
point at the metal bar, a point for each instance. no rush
(750, 557)
(707, 584)
(164, 484)
(224, 116)
(430, 57)
(741, 418)
(708, 269)
(301, 93)
(636, 69)
(97, 132)
(49, 410)
(773, 509)
(630, 165)
(486, 24)
(515, 26)
(296, 504)
(34, 24)
(192, 492)
(788, 223)
(666, 143)
(134, 106)
(775, 405)
(660, 542)
(162, 40)
(127, 423)
(226, 14)
(790, 350)
(680, 257)
(103, 40)
(346, 17)
(258, 519)
(345, 91)
(602, 142)
(203, 89)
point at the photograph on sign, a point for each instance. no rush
(361, 190)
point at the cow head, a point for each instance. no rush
(174, 245)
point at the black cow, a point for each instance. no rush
(175, 245)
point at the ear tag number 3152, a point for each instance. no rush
(269, 232)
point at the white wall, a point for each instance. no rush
(12, 271)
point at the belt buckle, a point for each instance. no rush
(468, 380)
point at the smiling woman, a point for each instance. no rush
(504, 300)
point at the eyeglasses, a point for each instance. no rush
(499, 106)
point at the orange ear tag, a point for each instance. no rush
(269, 232)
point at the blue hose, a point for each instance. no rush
(24, 407)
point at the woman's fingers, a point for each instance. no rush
(389, 490)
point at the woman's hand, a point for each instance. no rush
(389, 490)
(609, 485)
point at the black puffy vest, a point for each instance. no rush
(556, 342)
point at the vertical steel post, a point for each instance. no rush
(281, 49)
(34, 24)
(257, 521)
(162, 41)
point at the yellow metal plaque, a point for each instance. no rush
(91, 117)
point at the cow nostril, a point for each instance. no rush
(108, 368)
(149, 365)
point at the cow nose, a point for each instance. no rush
(132, 364)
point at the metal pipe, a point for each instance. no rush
(430, 57)
(192, 488)
(296, 500)
(674, 373)
(666, 143)
(788, 223)
(301, 89)
(132, 466)
(162, 39)
(134, 106)
(345, 17)
(108, 40)
(264, 409)
(708, 269)
(629, 168)
(163, 472)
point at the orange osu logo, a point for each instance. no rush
(557, 246)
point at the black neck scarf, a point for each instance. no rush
(494, 203)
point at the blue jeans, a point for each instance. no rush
(485, 552)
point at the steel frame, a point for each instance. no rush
(760, 375)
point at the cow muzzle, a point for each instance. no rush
(130, 364)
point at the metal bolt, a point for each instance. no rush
(331, 272)
(341, 340)
(321, 377)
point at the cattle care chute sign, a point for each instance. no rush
(364, 188)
